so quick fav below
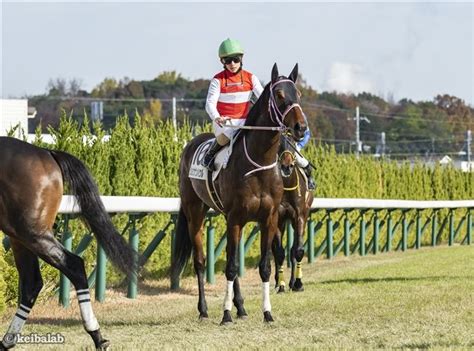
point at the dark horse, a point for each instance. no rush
(295, 207)
(31, 188)
(250, 189)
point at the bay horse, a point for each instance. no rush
(250, 189)
(295, 207)
(32, 180)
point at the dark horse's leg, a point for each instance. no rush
(297, 253)
(196, 215)
(233, 237)
(72, 266)
(268, 231)
(30, 286)
(279, 257)
(239, 300)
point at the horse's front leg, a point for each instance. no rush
(279, 257)
(297, 254)
(233, 237)
(268, 232)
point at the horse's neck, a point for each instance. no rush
(292, 180)
(262, 146)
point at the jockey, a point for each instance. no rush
(228, 98)
(302, 162)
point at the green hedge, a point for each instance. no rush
(142, 159)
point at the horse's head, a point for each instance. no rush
(286, 158)
(284, 103)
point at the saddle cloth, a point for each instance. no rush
(198, 171)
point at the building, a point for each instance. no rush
(14, 113)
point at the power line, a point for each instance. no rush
(378, 115)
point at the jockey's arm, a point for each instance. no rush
(307, 134)
(257, 86)
(212, 98)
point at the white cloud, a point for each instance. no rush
(348, 78)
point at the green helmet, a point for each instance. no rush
(230, 47)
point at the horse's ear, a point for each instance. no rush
(294, 74)
(274, 73)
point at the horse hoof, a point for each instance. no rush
(267, 317)
(281, 289)
(242, 314)
(298, 285)
(203, 317)
(104, 345)
(227, 318)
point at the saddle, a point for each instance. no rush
(198, 171)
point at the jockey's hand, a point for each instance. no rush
(221, 120)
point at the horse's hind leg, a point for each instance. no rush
(72, 266)
(195, 213)
(30, 286)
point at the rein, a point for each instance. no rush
(297, 186)
(277, 117)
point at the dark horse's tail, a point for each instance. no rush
(83, 187)
(182, 248)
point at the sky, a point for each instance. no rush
(413, 50)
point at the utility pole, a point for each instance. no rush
(382, 142)
(357, 118)
(174, 113)
(468, 149)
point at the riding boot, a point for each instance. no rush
(311, 182)
(208, 160)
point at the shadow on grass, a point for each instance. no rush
(387, 280)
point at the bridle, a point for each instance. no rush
(293, 158)
(278, 118)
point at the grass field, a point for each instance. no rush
(414, 300)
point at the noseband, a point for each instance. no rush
(278, 118)
(276, 115)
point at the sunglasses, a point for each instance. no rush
(229, 60)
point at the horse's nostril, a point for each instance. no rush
(297, 126)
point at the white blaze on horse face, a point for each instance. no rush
(229, 296)
(88, 317)
(266, 306)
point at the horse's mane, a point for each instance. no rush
(257, 109)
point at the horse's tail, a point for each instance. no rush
(83, 187)
(182, 247)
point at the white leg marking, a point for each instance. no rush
(266, 306)
(16, 325)
(88, 317)
(229, 295)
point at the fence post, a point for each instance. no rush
(242, 254)
(174, 280)
(404, 231)
(289, 242)
(469, 227)
(210, 261)
(310, 241)
(133, 239)
(418, 230)
(362, 234)
(100, 274)
(451, 228)
(64, 283)
(376, 233)
(434, 228)
(389, 231)
(329, 237)
(347, 235)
